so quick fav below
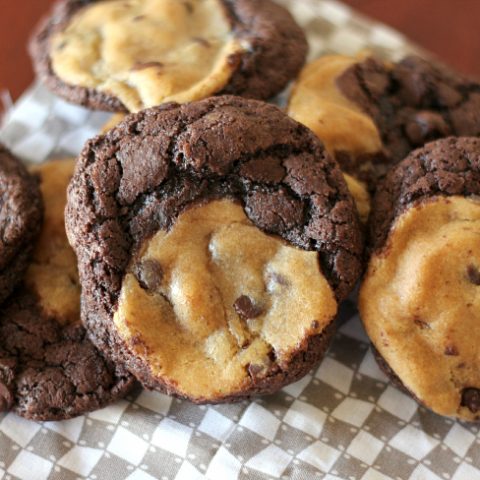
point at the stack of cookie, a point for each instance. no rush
(209, 238)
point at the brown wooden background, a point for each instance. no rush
(449, 28)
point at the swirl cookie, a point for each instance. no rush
(20, 217)
(120, 55)
(217, 275)
(420, 298)
(49, 370)
(371, 114)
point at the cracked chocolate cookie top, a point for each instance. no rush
(371, 114)
(122, 55)
(420, 298)
(49, 370)
(446, 167)
(20, 219)
(222, 224)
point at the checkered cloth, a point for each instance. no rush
(343, 421)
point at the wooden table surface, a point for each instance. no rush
(449, 28)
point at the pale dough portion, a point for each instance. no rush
(53, 272)
(420, 306)
(360, 196)
(186, 327)
(147, 52)
(318, 103)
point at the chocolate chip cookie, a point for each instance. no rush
(420, 298)
(217, 275)
(20, 219)
(49, 370)
(122, 55)
(371, 114)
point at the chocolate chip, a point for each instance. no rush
(149, 274)
(473, 274)
(245, 307)
(189, 7)
(426, 125)
(451, 350)
(315, 325)
(144, 65)
(471, 399)
(6, 398)
(447, 95)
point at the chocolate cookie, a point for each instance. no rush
(49, 370)
(371, 114)
(217, 275)
(357, 189)
(20, 219)
(420, 298)
(129, 55)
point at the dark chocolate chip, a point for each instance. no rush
(473, 274)
(447, 95)
(245, 307)
(471, 399)
(451, 350)
(315, 324)
(189, 7)
(149, 274)
(425, 126)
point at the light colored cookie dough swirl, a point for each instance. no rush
(207, 303)
(148, 52)
(420, 302)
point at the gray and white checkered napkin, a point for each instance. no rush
(343, 421)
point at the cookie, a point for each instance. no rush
(129, 55)
(49, 370)
(371, 114)
(420, 298)
(216, 276)
(20, 218)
